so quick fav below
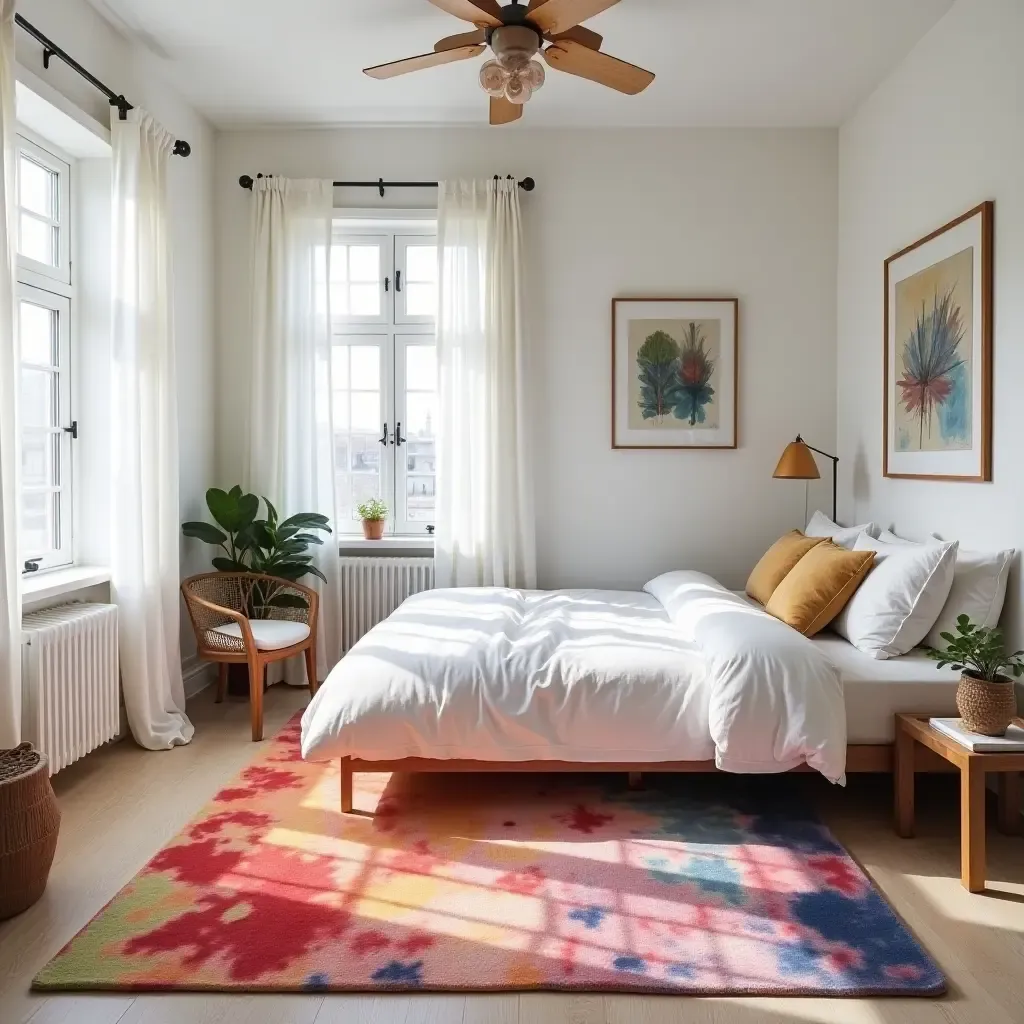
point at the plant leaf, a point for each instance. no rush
(288, 601)
(204, 532)
(229, 565)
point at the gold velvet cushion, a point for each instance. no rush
(777, 562)
(818, 587)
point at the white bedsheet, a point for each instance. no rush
(686, 673)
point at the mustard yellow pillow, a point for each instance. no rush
(818, 587)
(777, 562)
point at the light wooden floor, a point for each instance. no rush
(121, 804)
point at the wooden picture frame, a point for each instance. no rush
(938, 354)
(684, 394)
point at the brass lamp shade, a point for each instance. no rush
(797, 463)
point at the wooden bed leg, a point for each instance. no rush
(636, 780)
(346, 785)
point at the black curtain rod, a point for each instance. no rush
(51, 49)
(527, 184)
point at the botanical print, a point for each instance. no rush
(676, 367)
(934, 364)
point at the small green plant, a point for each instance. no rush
(372, 510)
(979, 651)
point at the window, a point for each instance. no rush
(44, 320)
(383, 303)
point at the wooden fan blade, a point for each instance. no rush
(424, 60)
(557, 16)
(598, 67)
(478, 38)
(580, 35)
(476, 12)
(503, 112)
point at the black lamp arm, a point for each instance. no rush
(835, 474)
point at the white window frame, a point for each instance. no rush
(402, 243)
(393, 231)
(30, 269)
(63, 553)
(53, 287)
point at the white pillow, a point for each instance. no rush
(845, 536)
(978, 590)
(900, 599)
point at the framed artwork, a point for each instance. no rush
(674, 373)
(937, 411)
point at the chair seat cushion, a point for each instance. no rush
(269, 634)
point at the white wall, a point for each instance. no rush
(944, 132)
(616, 213)
(127, 68)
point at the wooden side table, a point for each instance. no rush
(911, 729)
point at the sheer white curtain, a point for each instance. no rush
(144, 514)
(485, 528)
(291, 432)
(10, 373)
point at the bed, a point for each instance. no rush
(684, 676)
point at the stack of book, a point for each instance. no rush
(954, 728)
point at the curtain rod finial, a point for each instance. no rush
(245, 181)
(527, 184)
(182, 148)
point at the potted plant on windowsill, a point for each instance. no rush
(374, 514)
(985, 697)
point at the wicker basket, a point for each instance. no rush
(29, 822)
(986, 708)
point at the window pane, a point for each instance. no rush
(37, 398)
(421, 408)
(340, 411)
(366, 367)
(339, 367)
(37, 535)
(37, 240)
(366, 414)
(36, 452)
(366, 449)
(364, 486)
(421, 368)
(364, 300)
(339, 262)
(420, 299)
(364, 263)
(420, 498)
(421, 263)
(37, 188)
(38, 327)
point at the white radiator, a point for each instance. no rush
(69, 684)
(372, 588)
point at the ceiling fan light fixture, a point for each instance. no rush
(493, 78)
(518, 88)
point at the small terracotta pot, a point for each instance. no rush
(986, 708)
(373, 529)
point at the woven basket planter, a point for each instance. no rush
(29, 822)
(986, 708)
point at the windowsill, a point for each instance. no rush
(46, 584)
(360, 545)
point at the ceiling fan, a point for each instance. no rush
(516, 33)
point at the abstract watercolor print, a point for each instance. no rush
(933, 330)
(676, 367)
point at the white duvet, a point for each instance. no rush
(685, 671)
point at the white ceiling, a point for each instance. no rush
(718, 62)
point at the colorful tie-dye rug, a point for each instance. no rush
(511, 882)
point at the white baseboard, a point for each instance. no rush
(197, 675)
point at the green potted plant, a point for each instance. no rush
(249, 544)
(374, 514)
(985, 696)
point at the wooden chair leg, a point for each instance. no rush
(256, 696)
(346, 785)
(310, 654)
(222, 682)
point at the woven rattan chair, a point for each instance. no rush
(254, 620)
